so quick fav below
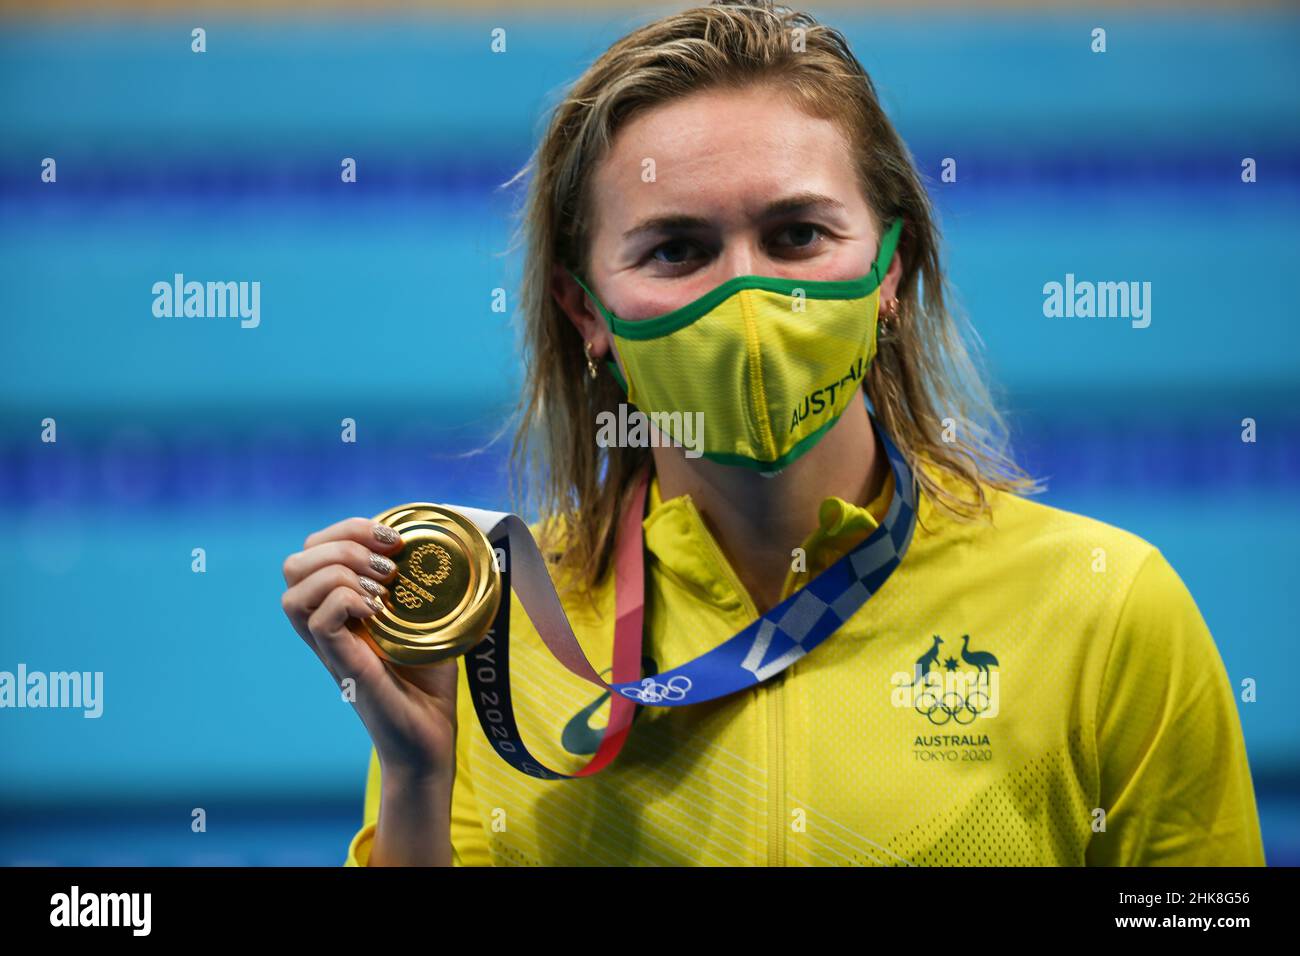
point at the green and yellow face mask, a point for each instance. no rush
(771, 363)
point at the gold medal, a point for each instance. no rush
(446, 592)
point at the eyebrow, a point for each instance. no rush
(798, 202)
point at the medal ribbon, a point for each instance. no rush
(767, 646)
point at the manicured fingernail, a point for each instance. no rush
(374, 587)
(386, 535)
(375, 603)
(381, 564)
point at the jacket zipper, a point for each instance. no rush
(776, 770)
(772, 692)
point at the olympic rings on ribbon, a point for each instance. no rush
(651, 692)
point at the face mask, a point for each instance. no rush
(771, 363)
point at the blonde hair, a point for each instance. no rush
(922, 373)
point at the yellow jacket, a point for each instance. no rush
(1104, 731)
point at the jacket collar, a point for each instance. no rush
(684, 547)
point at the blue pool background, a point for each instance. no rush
(175, 434)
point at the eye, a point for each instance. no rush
(677, 252)
(803, 235)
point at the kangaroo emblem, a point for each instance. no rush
(925, 662)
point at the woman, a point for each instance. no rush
(1099, 726)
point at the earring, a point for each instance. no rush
(591, 365)
(892, 308)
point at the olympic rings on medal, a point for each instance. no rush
(651, 692)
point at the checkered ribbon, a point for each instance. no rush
(803, 620)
